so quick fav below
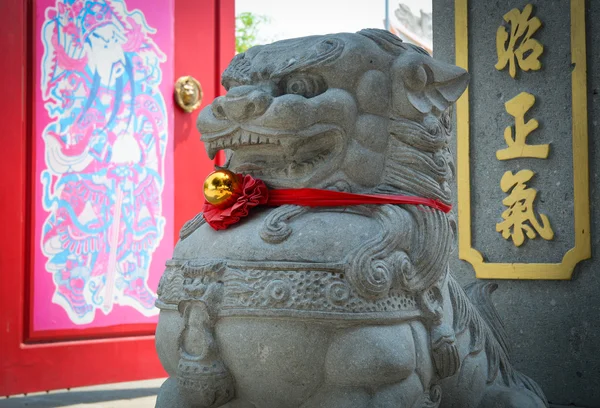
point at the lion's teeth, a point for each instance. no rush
(248, 138)
(212, 150)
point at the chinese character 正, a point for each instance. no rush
(517, 146)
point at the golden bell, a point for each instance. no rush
(222, 188)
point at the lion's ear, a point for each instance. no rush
(426, 83)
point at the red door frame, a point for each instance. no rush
(190, 156)
(204, 44)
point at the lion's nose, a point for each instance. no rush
(242, 103)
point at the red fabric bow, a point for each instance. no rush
(254, 192)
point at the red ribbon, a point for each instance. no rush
(314, 197)
(254, 192)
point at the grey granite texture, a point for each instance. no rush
(346, 306)
(553, 325)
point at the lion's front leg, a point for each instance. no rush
(486, 378)
(376, 366)
(189, 296)
(170, 396)
(469, 389)
(466, 388)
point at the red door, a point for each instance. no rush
(100, 171)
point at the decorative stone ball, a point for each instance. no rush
(222, 188)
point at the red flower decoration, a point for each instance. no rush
(253, 192)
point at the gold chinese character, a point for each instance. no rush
(517, 147)
(521, 46)
(520, 217)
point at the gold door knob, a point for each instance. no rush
(188, 93)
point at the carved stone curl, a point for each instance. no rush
(275, 228)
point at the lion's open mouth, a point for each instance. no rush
(239, 139)
(280, 159)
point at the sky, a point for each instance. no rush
(297, 18)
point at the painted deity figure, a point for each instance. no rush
(104, 153)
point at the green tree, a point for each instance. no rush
(246, 29)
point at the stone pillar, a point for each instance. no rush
(549, 285)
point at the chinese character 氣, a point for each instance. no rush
(518, 47)
(520, 217)
(517, 146)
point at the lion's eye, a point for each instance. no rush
(298, 87)
(307, 86)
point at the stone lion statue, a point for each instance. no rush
(336, 307)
